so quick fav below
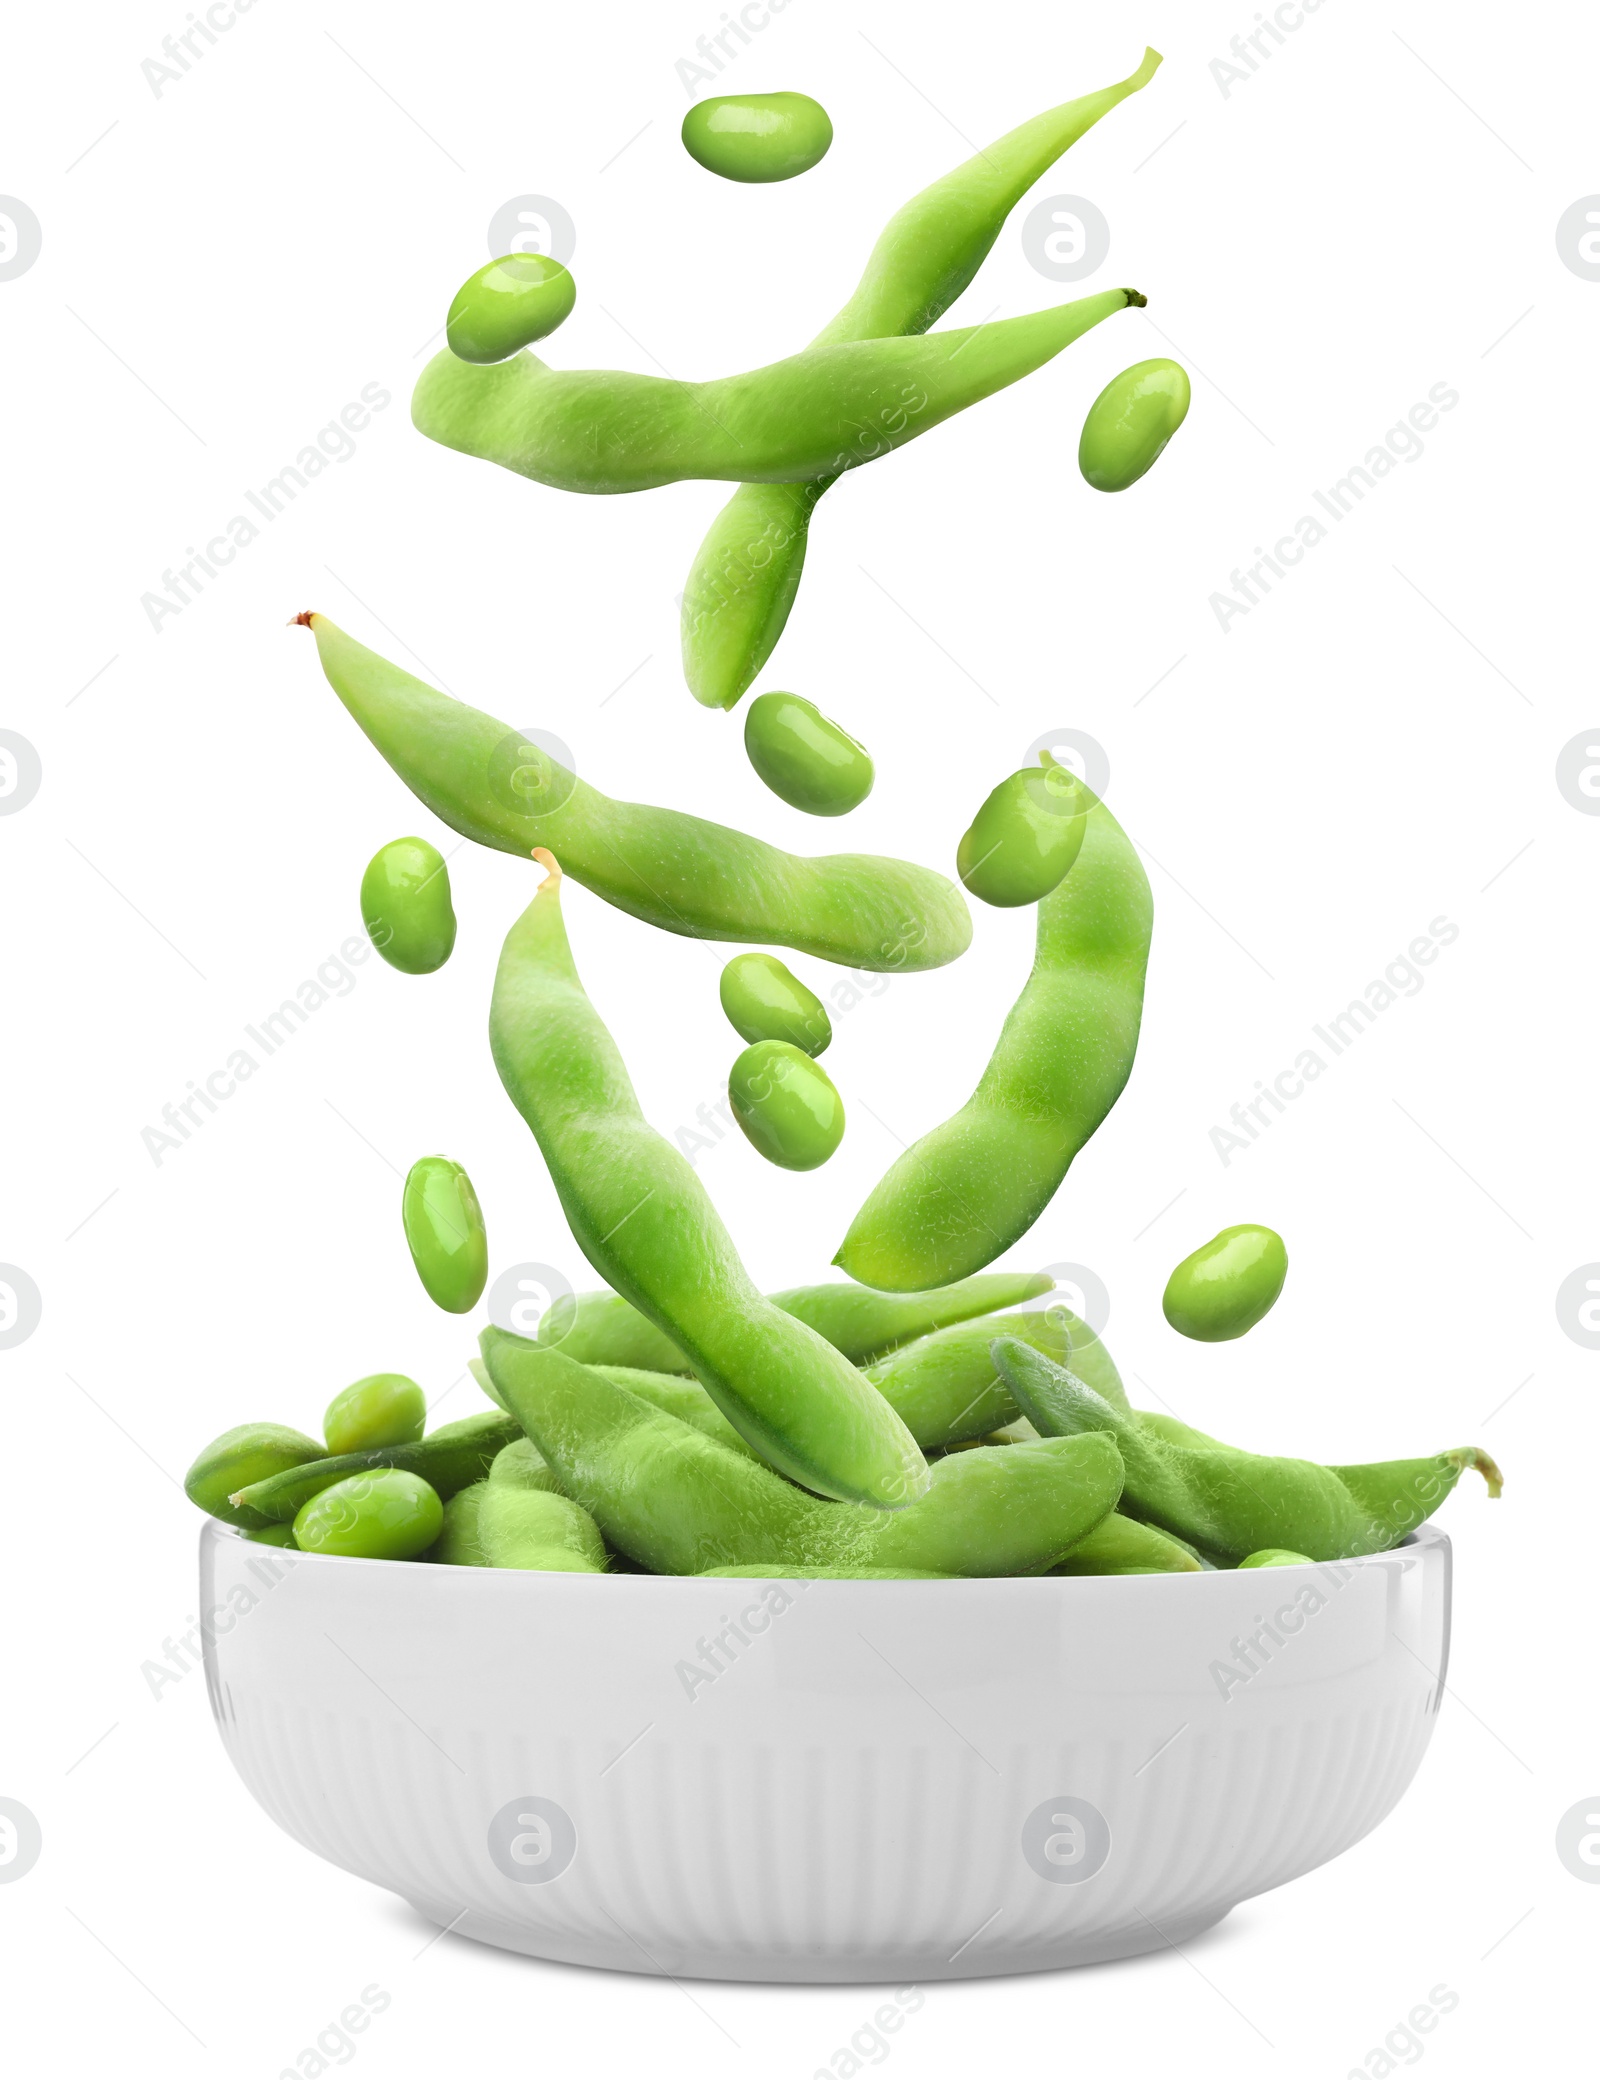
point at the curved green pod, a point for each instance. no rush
(457, 1544)
(537, 1528)
(819, 413)
(642, 1218)
(1131, 422)
(448, 1459)
(1231, 1503)
(523, 1465)
(508, 305)
(764, 1001)
(684, 1398)
(674, 871)
(747, 571)
(677, 1503)
(247, 1453)
(445, 1233)
(807, 760)
(786, 1105)
(1227, 1285)
(383, 1408)
(1120, 1545)
(969, 1188)
(387, 1514)
(757, 137)
(1025, 837)
(406, 907)
(946, 1388)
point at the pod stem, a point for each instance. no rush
(1476, 1457)
(552, 867)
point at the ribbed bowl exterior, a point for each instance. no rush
(830, 1781)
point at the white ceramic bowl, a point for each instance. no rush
(859, 1781)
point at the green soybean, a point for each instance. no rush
(786, 1105)
(405, 906)
(387, 1515)
(248, 1453)
(445, 1233)
(1230, 1503)
(383, 1408)
(807, 761)
(508, 305)
(1130, 422)
(816, 414)
(764, 1001)
(674, 871)
(757, 137)
(748, 569)
(678, 1503)
(971, 1187)
(1227, 1285)
(642, 1218)
(448, 1459)
(457, 1544)
(1275, 1556)
(1027, 834)
(1119, 1545)
(537, 1528)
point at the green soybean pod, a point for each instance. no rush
(1027, 834)
(387, 1515)
(448, 1459)
(445, 1233)
(507, 306)
(1130, 422)
(1276, 1556)
(1227, 1285)
(383, 1408)
(787, 1106)
(1119, 1545)
(807, 761)
(405, 906)
(247, 1453)
(757, 137)
(457, 1544)
(538, 1528)
(764, 1001)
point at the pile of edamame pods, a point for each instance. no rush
(916, 1418)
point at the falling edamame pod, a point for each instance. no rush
(642, 1218)
(757, 137)
(508, 305)
(383, 1515)
(946, 1388)
(383, 1408)
(448, 1459)
(674, 871)
(537, 1528)
(678, 1503)
(764, 1001)
(1230, 1503)
(786, 1105)
(747, 572)
(807, 761)
(445, 1233)
(1025, 837)
(247, 1453)
(820, 412)
(1227, 1285)
(1130, 422)
(406, 908)
(969, 1188)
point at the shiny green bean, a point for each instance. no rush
(764, 1001)
(448, 1459)
(786, 1105)
(445, 1233)
(384, 1515)
(406, 908)
(508, 305)
(1131, 422)
(807, 761)
(757, 137)
(1227, 1285)
(1025, 837)
(383, 1408)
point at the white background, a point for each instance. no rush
(1369, 214)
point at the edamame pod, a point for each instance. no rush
(1227, 1285)
(1231, 1503)
(523, 1465)
(248, 1453)
(767, 1572)
(684, 1398)
(946, 1388)
(969, 1188)
(387, 1515)
(816, 414)
(457, 1544)
(270, 1535)
(480, 1373)
(537, 1528)
(642, 1218)
(1025, 837)
(674, 871)
(747, 572)
(1130, 422)
(1122, 1546)
(807, 761)
(448, 1459)
(757, 137)
(678, 1503)
(765, 1002)
(445, 1233)
(508, 305)
(405, 906)
(384, 1408)
(1275, 1556)
(786, 1105)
